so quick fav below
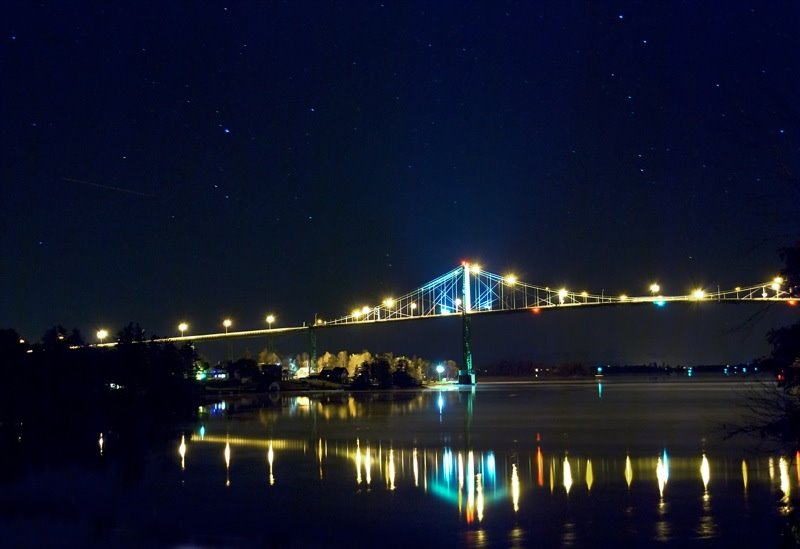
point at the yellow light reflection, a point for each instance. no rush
(100, 443)
(368, 466)
(705, 472)
(771, 465)
(270, 459)
(783, 466)
(514, 487)
(589, 475)
(628, 471)
(182, 452)
(479, 495)
(470, 487)
(460, 471)
(416, 469)
(358, 463)
(391, 469)
(661, 476)
(540, 466)
(227, 463)
(744, 474)
(797, 466)
(567, 475)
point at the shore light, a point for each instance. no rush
(101, 335)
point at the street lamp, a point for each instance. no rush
(227, 323)
(655, 288)
(440, 371)
(182, 327)
(270, 319)
(413, 307)
(101, 335)
(698, 294)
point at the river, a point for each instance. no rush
(611, 462)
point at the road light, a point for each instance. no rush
(698, 294)
(511, 279)
(356, 313)
(227, 323)
(182, 327)
(654, 288)
(101, 335)
(776, 283)
(562, 294)
(270, 319)
(388, 302)
(475, 268)
(413, 307)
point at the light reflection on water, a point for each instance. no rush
(500, 486)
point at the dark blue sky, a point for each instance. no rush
(169, 160)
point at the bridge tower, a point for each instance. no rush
(466, 376)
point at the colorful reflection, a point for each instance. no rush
(475, 482)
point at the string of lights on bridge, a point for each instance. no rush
(469, 289)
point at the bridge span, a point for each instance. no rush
(468, 290)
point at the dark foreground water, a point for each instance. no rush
(608, 464)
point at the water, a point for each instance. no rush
(568, 464)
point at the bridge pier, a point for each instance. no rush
(466, 375)
(312, 349)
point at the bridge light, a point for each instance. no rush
(623, 297)
(654, 288)
(698, 294)
(356, 313)
(365, 310)
(389, 302)
(270, 319)
(475, 268)
(458, 302)
(511, 279)
(101, 335)
(182, 327)
(412, 306)
(227, 324)
(562, 293)
(738, 288)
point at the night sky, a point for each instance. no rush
(168, 160)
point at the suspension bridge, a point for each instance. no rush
(468, 291)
